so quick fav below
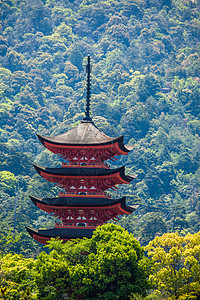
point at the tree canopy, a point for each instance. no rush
(175, 271)
(110, 265)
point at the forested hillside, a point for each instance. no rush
(145, 58)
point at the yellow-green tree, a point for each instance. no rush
(16, 277)
(7, 182)
(175, 269)
(7, 242)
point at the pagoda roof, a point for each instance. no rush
(76, 202)
(65, 234)
(83, 172)
(84, 134)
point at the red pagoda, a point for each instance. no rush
(84, 177)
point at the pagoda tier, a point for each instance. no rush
(65, 234)
(85, 144)
(85, 180)
(76, 211)
(85, 177)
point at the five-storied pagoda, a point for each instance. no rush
(85, 177)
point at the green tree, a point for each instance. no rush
(110, 265)
(149, 86)
(152, 224)
(175, 269)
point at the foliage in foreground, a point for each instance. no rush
(145, 85)
(16, 277)
(175, 271)
(110, 265)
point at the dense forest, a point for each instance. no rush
(145, 57)
(145, 86)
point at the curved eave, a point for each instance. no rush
(66, 202)
(81, 173)
(46, 140)
(73, 202)
(131, 208)
(49, 140)
(62, 233)
(123, 147)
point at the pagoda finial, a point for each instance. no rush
(87, 111)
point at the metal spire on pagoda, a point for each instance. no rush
(87, 110)
(87, 138)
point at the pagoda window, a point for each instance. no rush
(83, 164)
(82, 193)
(82, 224)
